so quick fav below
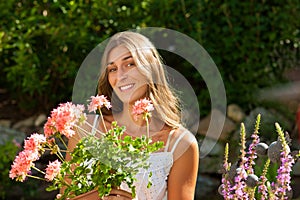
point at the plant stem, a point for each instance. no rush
(243, 145)
(252, 193)
(102, 119)
(36, 177)
(147, 126)
(86, 133)
(37, 169)
(60, 138)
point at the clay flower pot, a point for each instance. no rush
(120, 192)
(93, 195)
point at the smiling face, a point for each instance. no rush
(124, 77)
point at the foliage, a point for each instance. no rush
(8, 151)
(244, 39)
(43, 43)
(119, 162)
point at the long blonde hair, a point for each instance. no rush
(150, 64)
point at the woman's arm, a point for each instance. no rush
(183, 175)
(72, 142)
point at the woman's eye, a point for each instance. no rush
(112, 69)
(130, 64)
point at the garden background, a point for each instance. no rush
(255, 45)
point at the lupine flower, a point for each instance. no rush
(53, 168)
(283, 173)
(243, 186)
(98, 102)
(283, 177)
(63, 119)
(251, 151)
(225, 187)
(143, 106)
(262, 188)
(22, 164)
(239, 181)
(239, 184)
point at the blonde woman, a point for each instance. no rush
(132, 69)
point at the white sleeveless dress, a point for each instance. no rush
(160, 166)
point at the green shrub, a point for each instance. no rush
(8, 152)
(43, 43)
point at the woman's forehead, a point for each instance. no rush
(117, 53)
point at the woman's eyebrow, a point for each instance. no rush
(123, 59)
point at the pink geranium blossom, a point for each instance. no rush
(34, 142)
(143, 106)
(78, 168)
(22, 164)
(98, 102)
(63, 119)
(52, 170)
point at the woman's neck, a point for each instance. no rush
(137, 126)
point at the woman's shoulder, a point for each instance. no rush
(181, 141)
(183, 135)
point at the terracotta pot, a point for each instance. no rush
(93, 195)
(119, 192)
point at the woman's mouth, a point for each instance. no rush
(126, 87)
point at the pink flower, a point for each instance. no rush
(283, 178)
(22, 164)
(34, 142)
(143, 106)
(63, 119)
(52, 170)
(98, 102)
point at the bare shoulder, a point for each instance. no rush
(183, 141)
(183, 175)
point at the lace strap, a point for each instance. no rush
(94, 129)
(168, 141)
(177, 141)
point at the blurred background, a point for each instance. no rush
(255, 45)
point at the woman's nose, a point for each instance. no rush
(121, 73)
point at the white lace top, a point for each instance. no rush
(160, 166)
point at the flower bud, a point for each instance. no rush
(289, 194)
(274, 151)
(251, 180)
(220, 189)
(232, 172)
(261, 149)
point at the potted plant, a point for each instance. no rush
(88, 171)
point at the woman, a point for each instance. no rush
(132, 69)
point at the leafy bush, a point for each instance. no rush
(8, 151)
(242, 38)
(43, 43)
